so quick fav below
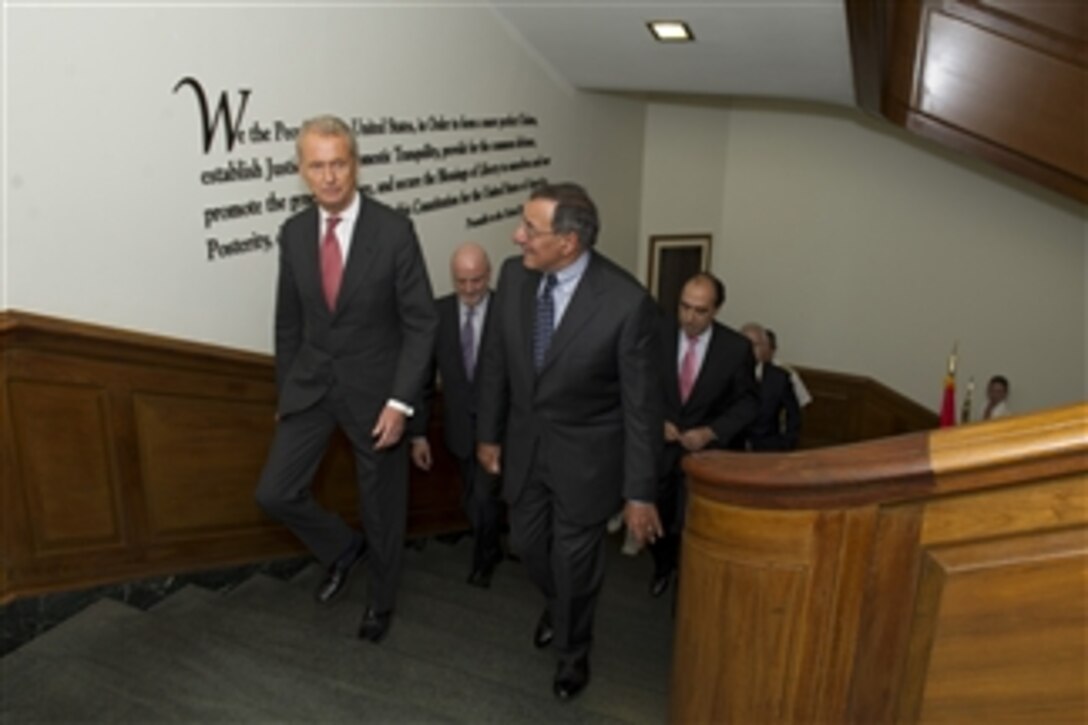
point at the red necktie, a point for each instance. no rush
(688, 369)
(332, 262)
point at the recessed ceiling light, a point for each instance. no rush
(671, 31)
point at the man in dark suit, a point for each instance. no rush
(355, 325)
(571, 412)
(778, 425)
(710, 400)
(462, 321)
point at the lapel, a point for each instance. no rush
(710, 362)
(672, 366)
(579, 311)
(308, 254)
(362, 248)
(485, 323)
(528, 318)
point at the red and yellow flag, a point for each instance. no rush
(948, 401)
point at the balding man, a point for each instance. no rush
(710, 399)
(462, 318)
(778, 425)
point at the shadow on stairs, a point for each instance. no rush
(265, 652)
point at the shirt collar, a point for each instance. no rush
(347, 217)
(573, 271)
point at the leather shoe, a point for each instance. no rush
(337, 578)
(660, 583)
(571, 678)
(482, 573)
(544, 633)
(375, 625)
(480, 577)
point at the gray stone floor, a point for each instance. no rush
(263, 652)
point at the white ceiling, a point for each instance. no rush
(794, 49)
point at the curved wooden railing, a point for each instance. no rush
(932, 577)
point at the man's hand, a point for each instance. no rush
(421, 453)
(672, 433)
(696, 439)
(389, 428)
(488, 454)
(643, 522)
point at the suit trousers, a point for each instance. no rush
(671, 504)
(481, 505)
(284, 492)
(564, 559)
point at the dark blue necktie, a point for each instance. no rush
(545, 321)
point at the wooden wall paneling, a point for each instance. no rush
(999, 631)
(843, 559)
(1001, 80)
(1013, 95)
(199, 463)
(129, 455)
(64, 461)
(1058, 27)
(745, 614)
(888, 604)
(851, 408)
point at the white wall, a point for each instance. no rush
(871, 252)
(106, 206)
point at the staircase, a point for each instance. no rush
(265, 652)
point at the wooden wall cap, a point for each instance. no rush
(900, 468)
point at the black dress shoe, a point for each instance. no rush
(571, 678)
(482, 573)
(480, 578)
(660, 583)
(334, 583)
(544, 633)
(375, 625)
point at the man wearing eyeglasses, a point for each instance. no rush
(570, 412)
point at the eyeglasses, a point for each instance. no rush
(532, 233)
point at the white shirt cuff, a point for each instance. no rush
(408, 410)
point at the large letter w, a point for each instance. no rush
(233, 126)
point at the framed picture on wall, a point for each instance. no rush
(673, 259)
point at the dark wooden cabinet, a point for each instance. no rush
(1005, 80)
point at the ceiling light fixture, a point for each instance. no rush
(670, 31)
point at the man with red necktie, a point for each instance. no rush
(354, 330)
(710, 400)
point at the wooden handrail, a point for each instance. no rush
(933, 576)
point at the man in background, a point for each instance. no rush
(710, 400)
(570, 412)
(997, 393)
(800, 390)
(777, 426)
(354, 331)
(462, 322)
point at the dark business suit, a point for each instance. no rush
(339, 369)
(579, 436)
(778, 424)
(724, 398)
(479, 496)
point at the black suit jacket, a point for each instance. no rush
(724, 398)
(779, 421)
(458, 392)
(377, 344)
(592, 416)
